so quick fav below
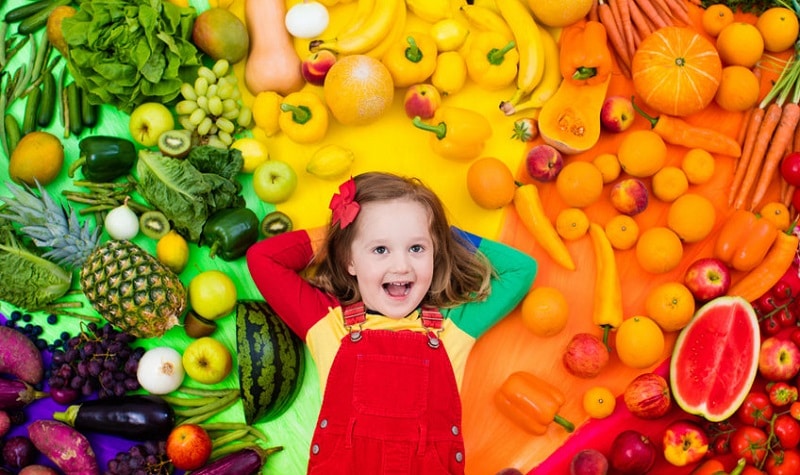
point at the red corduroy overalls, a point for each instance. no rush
(391, 404)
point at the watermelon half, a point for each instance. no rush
(715, 359)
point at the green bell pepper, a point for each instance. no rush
(230, 232)
(104, 158)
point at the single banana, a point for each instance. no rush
(394, 35)
(528, 38)
(551, 79)
(374, 29)
(484, 19)
(430, 10)
(330, 162)
(359, 18)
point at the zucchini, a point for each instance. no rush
(247, 461)
(13, 132)
(271, 361)
(47, 105)
(89, 111)
(24, 11)
(135, 417)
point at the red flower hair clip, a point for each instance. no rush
(343, 204)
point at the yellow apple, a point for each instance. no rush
(207, 360)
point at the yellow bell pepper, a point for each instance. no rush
(266, 112)
(492, 60)
(458, 134)
(607, 312)
(411, 60)
(304, 117)
(450, 74)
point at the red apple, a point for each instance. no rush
(648, 396)
(544, 162)
(188, 446)
(421, 100)
(629, 196)
(631, 453)
(617, 114)
(585, 356)
(316, 66)
(778, 359)
(707, 278)
(685, 443)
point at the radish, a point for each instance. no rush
(19, 357)
(64, 446)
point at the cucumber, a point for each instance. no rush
(31, 110)
(89, 111)
(74, 108)
(271, 361)
(38, 19)
(136, 416)
(13, 132)
(24, 11)
(47, 104)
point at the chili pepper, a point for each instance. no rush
(303, 117)
(679, 132)
(531, 212)
(531, 402)
(459, 134)
(104, 158)
(585, 57)
(411, 60)
(607, 311)
(770, 270)
(230, 232)
(744, 240)
(492, 60)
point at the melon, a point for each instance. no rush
(715, 359)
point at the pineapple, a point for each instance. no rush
(129, 287)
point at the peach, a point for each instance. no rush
(316, 66)
(421, 100)
(543, 162)
(617, 113)
(629, 196)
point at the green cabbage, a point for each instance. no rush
(126, 52)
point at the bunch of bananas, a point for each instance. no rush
(375, 25)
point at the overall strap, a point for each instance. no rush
(432, 321)
(354, 316)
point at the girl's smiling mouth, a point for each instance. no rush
(397, 289)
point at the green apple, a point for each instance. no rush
(274, 181)
(207, 360)
(148, 121)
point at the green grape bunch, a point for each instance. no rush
(211, 107)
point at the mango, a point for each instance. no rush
(221, 35)
(53, 28)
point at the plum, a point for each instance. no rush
(589, 462)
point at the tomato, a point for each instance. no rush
(750, 443)
(785, 462)
(756, 409)
(794, 410)
(790, 168)
(770, 326)
(787, 430)
(781, 393)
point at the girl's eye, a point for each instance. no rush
(380, 250)
(417, 248)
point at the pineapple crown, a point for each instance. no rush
(50, 225)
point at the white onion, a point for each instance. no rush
(307, 19)
(122, 223)
(160, 370)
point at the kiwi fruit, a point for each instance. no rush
(175, 143)
(196, 326)
(154, 224)
(275, 223)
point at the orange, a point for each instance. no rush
(692, 217)
(669, 183)
(670, 305)
(38, 156)
(599, 402)
(579, 184)
(740, 44)
(779, 28)
(698, 165)
(659, 250)
(639, 342)
(490, 183)
(622, 232)
(545, 311)
(608, 164)
(642, 153)
(739, 89)
(358, 89)
(715, 18)
(572, 223)
(778, 213)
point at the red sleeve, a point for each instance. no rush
(275, 264)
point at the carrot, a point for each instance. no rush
(680, 11)
(612, 29)
(769, 271)
(743, 128)
(639, 21)
(781, 139)
(651, 12)
(663, 9)
(626, 24)
(787, 197)
(796, 140)
(752, 127)
(768, 125)
(593, 12)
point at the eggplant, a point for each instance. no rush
(246, 461)
(16, 394)
(134, 417)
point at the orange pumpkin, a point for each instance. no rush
(676, 71)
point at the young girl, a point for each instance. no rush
(390, 315)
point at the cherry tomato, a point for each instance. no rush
(787, 430)
(790, 168)
(751, 470)
(770, 326)
(787, 318)
(794, 410)
(721, 444)
(756, 409)
(749, 443)
(786, 462)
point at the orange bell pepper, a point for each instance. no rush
(458, 133)
(531, 402)
(744, 240)
(585, 57)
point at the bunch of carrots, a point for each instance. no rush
(769, 132)
(628, 22)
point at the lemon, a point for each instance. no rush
(212, 294)
(449, 34)
(254, 152)
(173, 251)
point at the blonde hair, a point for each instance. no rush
(460, 273)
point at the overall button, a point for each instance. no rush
(323, 423)
(459, 457)
(315, 449)
(454, 430)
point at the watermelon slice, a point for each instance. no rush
(715, 359)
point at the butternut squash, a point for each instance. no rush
(272, 63)
(570, 119)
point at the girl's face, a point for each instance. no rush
(392, 256)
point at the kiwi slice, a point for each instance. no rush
(175, 143)
(154, 224)
(275, 223)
